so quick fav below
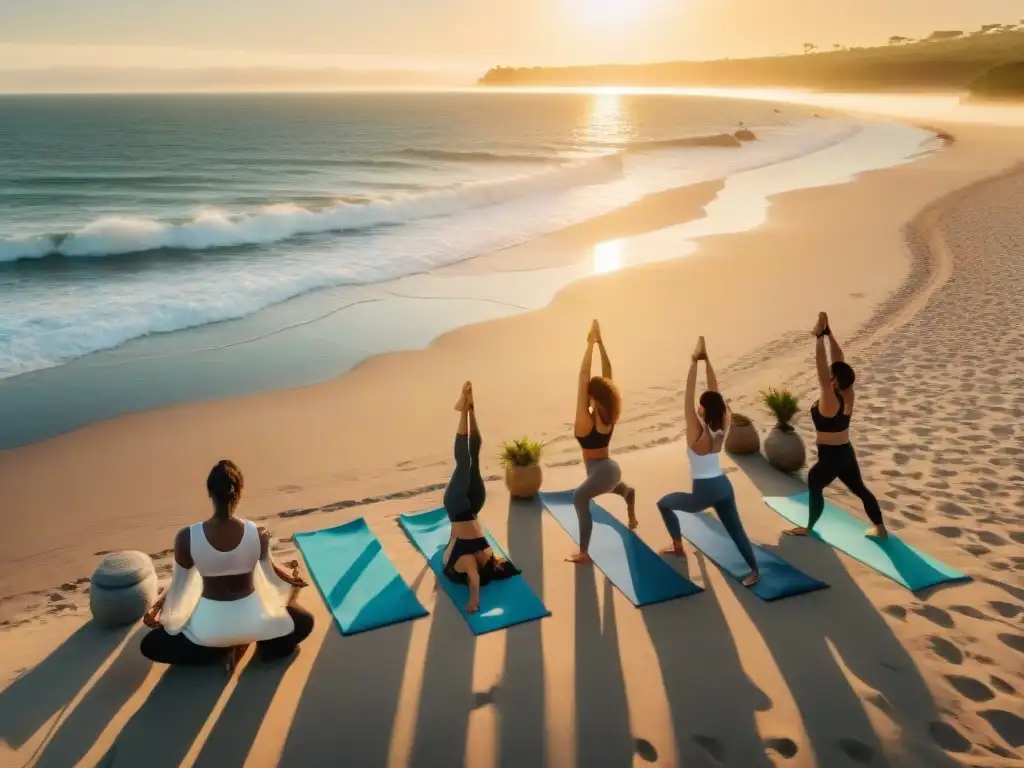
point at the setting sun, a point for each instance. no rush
(605, 12)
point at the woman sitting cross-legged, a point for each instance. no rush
(226, 591)
(468, 558)
(706, 425)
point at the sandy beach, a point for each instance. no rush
(920, 268)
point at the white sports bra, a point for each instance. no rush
(706, 466)
(212, 562)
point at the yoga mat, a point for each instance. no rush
(361, 587)
(502, 603)
(778, 578)
(890, 557)
(635, 569)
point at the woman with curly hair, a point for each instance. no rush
(598, 407)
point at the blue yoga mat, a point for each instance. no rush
(635, 569)
(502, 603)
(361, 587)
(890, 557)
(778, 578)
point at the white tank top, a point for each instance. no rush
(212, 562)
(706, 466)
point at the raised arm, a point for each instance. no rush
(606, 364)
(693, 427)
(583, 421)
(835, 351)
(827, 401)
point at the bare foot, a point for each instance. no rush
(877, 532)
(234, 656)
(465, 399)
(472, 606)
(580, 558)
(797, 532)
(752, 579)
(676, 550)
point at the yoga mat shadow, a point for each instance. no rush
(779, 579)
(634, 568)
(891, 557)
(502, 603)
(359, 584)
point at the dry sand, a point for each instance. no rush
(921, 270)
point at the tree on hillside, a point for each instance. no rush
(898, 40)
(808, 47)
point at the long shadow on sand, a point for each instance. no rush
(348, 705)
(805, 635)
(522, 718)
(163, 730)
(712, 700)
(99, 706)
(47, 688)
(235, 731)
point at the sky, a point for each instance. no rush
(459, 37)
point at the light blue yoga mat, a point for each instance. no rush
(778, 578)
(361, 587)
(502, 603)
(635, 569)
(890, 557)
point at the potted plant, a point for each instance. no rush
(742, 437)
(783, 447)
(521, 461)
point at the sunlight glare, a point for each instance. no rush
(606, 12)
(606, 120)
(608, 256)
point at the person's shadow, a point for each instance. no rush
(806, 634)
(712, 700)
(50, 686)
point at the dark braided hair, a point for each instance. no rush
(224, 484)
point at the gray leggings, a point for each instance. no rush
(603, 476)
(708, 492)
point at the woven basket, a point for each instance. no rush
(122, 589)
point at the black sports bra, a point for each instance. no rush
(595, 440)
(838, 423)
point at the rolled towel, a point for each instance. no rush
(123, 587)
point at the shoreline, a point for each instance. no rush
(924, 294)
(326, 333)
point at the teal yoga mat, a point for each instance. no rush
(890, 557)
(634, 568)
(778, 578)
(502, 603)
(358, 582)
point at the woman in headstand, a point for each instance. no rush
(706, 425)
(226, 591)
(831, 417)
(468, 558)
(598, 406)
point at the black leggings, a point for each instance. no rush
(163, 648)
(465, 495)
(839, 462)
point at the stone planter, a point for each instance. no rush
(523, 482)
(122, 588)
(743, 438)
(784, 449)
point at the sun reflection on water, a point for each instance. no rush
(608, 256)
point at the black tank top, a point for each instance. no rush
(595, 440)
(838, 423)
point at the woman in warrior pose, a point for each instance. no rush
(706, 425)
(831, 417)
(598, 407)
(468, 558)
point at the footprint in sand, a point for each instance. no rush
(1001, 685)
(857, 751)
(896, 611)
(967, 610)
(946, 650)
(1013, 641)
(949, 531)
(1006, 610)
(935, 615)
(914, 517)
(1017, 536)
(973, 689)
(948, 737)
(787, 748)
(711, 745)
(975, 549)
(953, 509)
(1009, 726)
(990, 538)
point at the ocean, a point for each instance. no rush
(125, 220)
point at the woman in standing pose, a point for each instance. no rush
(468, 558)
(706, 425)
(831, 417)
(598, 407)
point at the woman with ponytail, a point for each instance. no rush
(226, 590)
(706, 425)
